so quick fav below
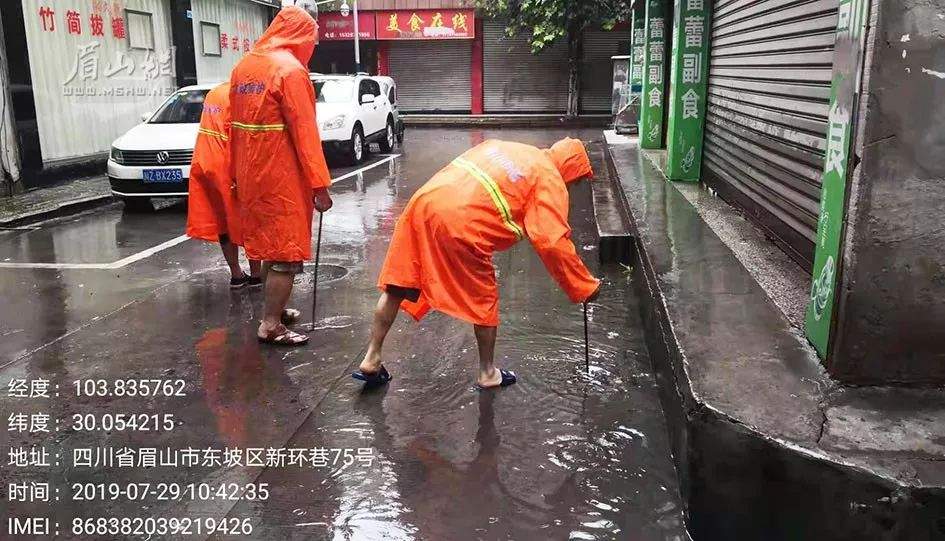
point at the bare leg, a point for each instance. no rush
(231, 253)
(278, 289)
(488, 375)
(384, 316)
(255, 268)
(264, 272)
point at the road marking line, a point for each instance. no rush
(122, 263)
(389, 158)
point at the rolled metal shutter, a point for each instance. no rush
(432, 76)
(597, 70)
(517, 81)
(768, 100)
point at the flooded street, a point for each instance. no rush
(564, 454)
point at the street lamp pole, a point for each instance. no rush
(345, 10)
(357, 39)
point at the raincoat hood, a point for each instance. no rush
(571, 159)
(292, 29)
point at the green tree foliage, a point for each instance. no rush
(551, 20)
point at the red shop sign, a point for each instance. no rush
(426, 24)
(333, 26)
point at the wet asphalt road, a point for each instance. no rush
(562, 455)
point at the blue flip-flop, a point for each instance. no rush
(381, 377)
(508, 379)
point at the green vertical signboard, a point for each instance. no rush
(654, 57)
(636, 52)
(847, 68)
(687, 94)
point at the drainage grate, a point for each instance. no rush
(326, 273)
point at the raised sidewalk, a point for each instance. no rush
(766, 445)
(54, 201)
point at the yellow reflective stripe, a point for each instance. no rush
(212, 133)
(501, 204)
(259, 127)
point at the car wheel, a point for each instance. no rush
(138, 204)
(387, 143)
(356, 147)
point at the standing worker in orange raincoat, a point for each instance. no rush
(278, 162)
(484, 202)
(211, 204)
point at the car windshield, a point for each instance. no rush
(334, 90)
(181, 108)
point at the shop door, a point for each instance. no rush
(766, 125)
(432, 76)
(597, 69)
(517, 81)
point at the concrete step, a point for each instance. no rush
(520, 120)
(614, 227)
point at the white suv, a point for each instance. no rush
(353, 111)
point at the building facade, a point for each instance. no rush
(446, 58)
(820, 121)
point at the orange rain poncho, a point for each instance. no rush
(274, 142)
(485, 201)
(211, 205)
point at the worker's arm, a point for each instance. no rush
(298, 109)
(546, 223)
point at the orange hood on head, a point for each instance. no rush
(292, 29)
(571, 159)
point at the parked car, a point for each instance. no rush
(153, 158)
(354, 111)
(390, 88)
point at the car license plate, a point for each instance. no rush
(162, 175)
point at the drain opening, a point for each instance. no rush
(326, 273)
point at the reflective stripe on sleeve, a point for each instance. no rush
(492, 187)
(212, 133)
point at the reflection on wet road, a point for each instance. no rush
(562, 455)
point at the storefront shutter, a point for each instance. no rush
(766, 125)
(517, 81)
(432, 76)
(597, 71)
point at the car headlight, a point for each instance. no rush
(116, 156)
(334, 123)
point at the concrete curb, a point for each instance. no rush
(513, 120)
(739, 479)
(56, 210)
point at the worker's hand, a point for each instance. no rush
(595, 294)
(322, 199)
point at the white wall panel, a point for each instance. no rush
(237, 18)
(90, 88)
(9, 149)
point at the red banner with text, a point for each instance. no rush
(333, 26)
(430, 24)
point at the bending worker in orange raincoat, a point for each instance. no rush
(278, 163)
(211, 205)
(484, 202)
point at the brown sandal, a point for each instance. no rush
(284, 337)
